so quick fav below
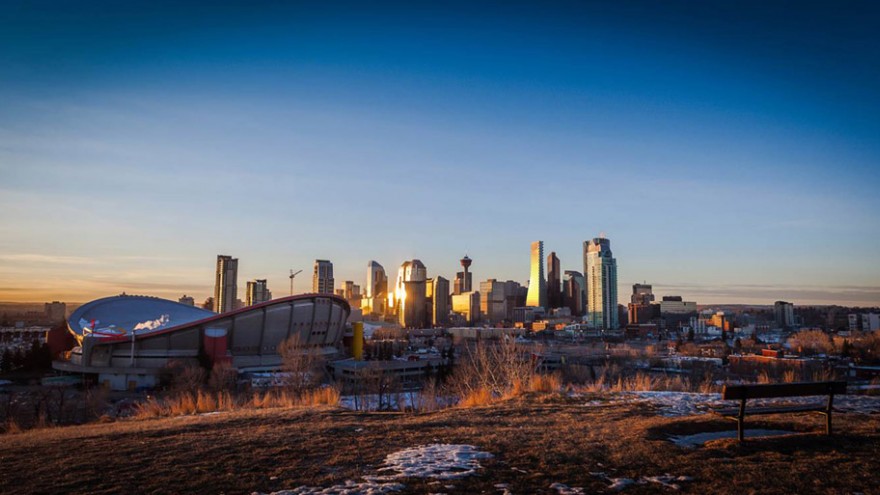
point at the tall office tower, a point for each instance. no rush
(410, 292)
(467, 305)
(440, 302)
(322, 279)
(600, 274)
(464, 279)
(257, 292)
(493, 300)
(511, 298)
(554, 281)
(642, 294)
(188, 300)
(575, 294)
(784, 314)
(537, 296)
(376, 291)
(226, 284)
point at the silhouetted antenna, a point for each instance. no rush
(292, 274)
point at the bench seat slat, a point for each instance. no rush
(770, 390)
(734, 411)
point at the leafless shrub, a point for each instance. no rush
(222, 377)
(304, 365)
(812, 342)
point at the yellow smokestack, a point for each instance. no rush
(357, 340)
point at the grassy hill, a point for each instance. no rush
(536, 441)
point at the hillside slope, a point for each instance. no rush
(534, 441)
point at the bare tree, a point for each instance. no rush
(304, 365)
(492, 366)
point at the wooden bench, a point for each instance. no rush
(743, 393)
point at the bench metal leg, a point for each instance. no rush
(740, 422)
(828, 413)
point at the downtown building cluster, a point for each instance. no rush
(416, 300)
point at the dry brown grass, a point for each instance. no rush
(477, 398)
(201, 402)
(535, 443)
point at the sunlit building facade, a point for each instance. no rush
(493, 301)
(537, 296)
(257, 292)
(468, 306)
(375, 299)
(225, 284)
(600, 275)
(322, 278)
(439, 301)
(410, 294)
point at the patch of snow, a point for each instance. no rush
(440, 461)
(697, 439)
(667, 480)
(563, 489)
(392, 402)
(673, 404)
(347, 488)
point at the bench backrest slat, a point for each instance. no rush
(768, 390)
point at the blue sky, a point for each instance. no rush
(730, 152)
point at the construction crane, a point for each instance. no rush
(292, 274)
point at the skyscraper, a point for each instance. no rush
(464, 279)
(257, 292)
(467, 304)
(322, 279)
(412, 308)
(537, 296)
(575, 292)
(225, 284)
(494, 301)
(376, 296)
(440, 302)
(554, 281)
(600, 275)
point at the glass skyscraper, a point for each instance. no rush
(600, 274)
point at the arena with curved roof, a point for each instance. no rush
(127, 341)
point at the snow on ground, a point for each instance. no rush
(439, 460)
(563, 489)
(666, 480)
(397, 401)
(347, 488)
(685, 403)
(695, 440)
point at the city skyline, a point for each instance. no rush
(729, 151)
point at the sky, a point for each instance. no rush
(729, 150)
